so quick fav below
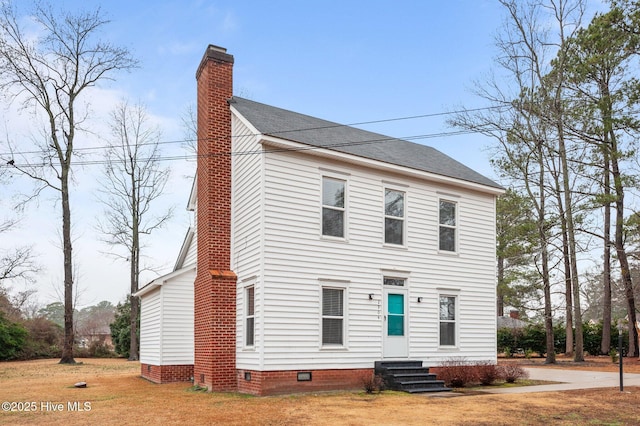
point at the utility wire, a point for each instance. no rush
(188, 157)
(280, 132)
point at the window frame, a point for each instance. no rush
(345, 297)
(442, 226)
(343, 209)
(249, 316)
(402, 218)
(454, 321)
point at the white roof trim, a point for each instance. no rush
(193, 196)
(184, 249)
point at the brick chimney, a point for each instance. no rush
(514, 314)
(215, 284)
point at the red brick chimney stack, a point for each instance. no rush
(514, 314)
(215, 285)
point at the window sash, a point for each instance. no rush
(333, 207)
(250, 316)
(332, 316)
(447, 314)
(394, 216)
(448, 224)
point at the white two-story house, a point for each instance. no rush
(321, 249)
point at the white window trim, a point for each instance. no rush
(396, 188)
(324, 173)
(337, 285)
(456, 344)
(456, 241)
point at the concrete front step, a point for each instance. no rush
(409, 376)
(425, 390)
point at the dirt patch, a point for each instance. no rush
(117, 395)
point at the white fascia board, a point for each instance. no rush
(376, 164)
(183, 250)
(191, 204)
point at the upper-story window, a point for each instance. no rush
(333, 207)
(394, 214)
(447, 233)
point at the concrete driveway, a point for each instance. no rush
(571, 379)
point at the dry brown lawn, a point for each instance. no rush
(117, 395)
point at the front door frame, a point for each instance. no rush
(395, 346)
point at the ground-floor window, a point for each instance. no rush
(448, 316)
(332, 316)
(250, 316)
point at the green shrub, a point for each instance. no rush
(592, 337)
(12, 338)
(507, 339)
(614, 355)
(44, 339)
(121, 328)
(559, 338)
(534, 339)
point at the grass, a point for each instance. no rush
(117, 395)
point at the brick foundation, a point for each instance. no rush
(167, 373)
(263, 383)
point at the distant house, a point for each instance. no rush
(511, 321)
(321, 249)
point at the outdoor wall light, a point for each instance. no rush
(370, 296)
(419, 299)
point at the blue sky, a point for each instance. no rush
(348, 62)
(345, 61)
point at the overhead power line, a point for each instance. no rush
(284, 131)
(188, 157)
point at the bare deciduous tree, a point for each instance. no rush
(134, 181)
(49, 72)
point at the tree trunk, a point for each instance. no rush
(605, 344)
(546, 281)
(67, 348)
(625, 272)
(500, 291)
(567, 273)
(575, 285)
(135, 264)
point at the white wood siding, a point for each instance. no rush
(177, 319)
(246, 235)
(297, 260)
(166, 321)
(150, 325)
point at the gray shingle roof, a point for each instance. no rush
(313, 131)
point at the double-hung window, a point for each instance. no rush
(447, 232)
(333, 207)
(394, 214)
(448, 320)
(332, 316)
(250, 315)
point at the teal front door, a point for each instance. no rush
(395, 339)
